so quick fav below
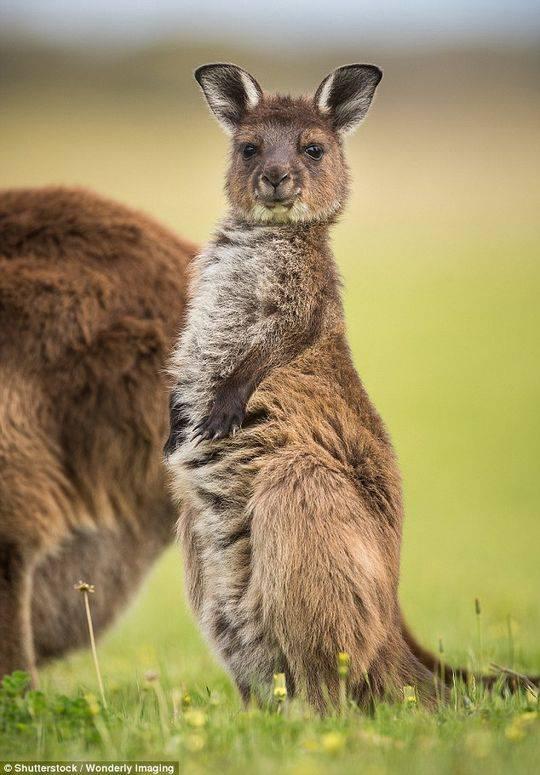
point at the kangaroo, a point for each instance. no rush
(92, 296)
(291, 501)
(291, 507)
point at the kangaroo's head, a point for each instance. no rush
(287, 162)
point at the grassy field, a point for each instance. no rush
(440, 256)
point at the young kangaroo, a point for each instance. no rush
(92, 296)
(291, 499)
(291, 518)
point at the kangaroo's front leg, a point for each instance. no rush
(276, 342)
(228, 409)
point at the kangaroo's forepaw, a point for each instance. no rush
(224, 419)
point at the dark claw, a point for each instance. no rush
(200, 424)
(202, 430)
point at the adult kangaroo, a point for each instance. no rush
(291, 499)
(92, 295)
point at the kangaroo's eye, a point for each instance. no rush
(314, 151)
(249, 150)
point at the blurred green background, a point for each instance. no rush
(439, 249)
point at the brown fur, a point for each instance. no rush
(91, 295)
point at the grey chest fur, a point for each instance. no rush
(239, 282)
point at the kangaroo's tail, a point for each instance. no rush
(504, 677)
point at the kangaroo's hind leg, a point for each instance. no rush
(34, 513)
(16, 649)
(328, 575)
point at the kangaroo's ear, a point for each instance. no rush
(346, 95)
(229, 91)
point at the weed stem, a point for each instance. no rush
(86, 589)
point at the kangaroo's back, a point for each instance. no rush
(91, 296)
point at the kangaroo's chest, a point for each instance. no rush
(233, 290)
(227, 304)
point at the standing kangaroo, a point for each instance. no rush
(291, 500)
(291, 497)
(92, 296)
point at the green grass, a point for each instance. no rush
(439, 251)
(203, 727)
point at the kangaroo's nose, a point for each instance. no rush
(274, 176)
